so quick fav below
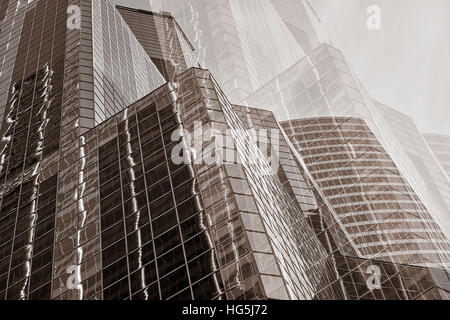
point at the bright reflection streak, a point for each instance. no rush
(131, 163)
(10, 120)
(79, 193)
(173, 86)
(46, 89)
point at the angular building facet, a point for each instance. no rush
(428, 163)
(162, 39)
(379, 211)
(319, 82)
(304, 78)
(245, 44)
(106, 212)
(59, 81)
(324, 85)
(348, 275)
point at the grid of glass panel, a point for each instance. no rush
(153, 236)
(152, 241)
(349, 276)
(299, 254)
(162, 39)
(427, 167)
(323, 85)
(108, 213)
(31, 140)
(122, 71)
(381, 214)
(231, 38)
(397, 281)
(210, 27)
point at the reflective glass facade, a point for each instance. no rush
(416, 148)
(122, 70)
(347, 276)
(31, 140)
(147, 238)
(296, 179)
(324, 85)
(121, 218)
(47, 103)
(246, 43)
(128, 175)
(319, 85)
(397, 281)
(163, 40)
(212, 31)
(380, 212)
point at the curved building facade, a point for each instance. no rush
(379, 210)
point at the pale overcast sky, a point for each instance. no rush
(405, 64)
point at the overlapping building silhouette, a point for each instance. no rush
(104, 195)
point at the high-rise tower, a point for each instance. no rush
(270, 54)
(246, 43)
(162, 39)
(347, 269)
(380, 213)
(127, 174)
(426, 159)
(324, 85)
(59, 81)
(96, 202)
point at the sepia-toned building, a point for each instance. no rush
(378, 209)
(127, 174)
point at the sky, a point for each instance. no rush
(405, 64)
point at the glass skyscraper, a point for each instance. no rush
(324, 85)
(96, 209)
(246, 43)
(274, 55)
(377, 208)
(422, 156)
(348, 268)
(162, 39)
(59, 82)
(127, 174)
